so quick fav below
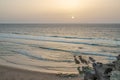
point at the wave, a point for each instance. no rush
(69, 37)
(107, 43)
(38, 66)
(27, 54)
(78, 52)
(31, 56)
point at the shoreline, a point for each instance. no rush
(10, 73)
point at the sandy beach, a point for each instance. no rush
(9, 73)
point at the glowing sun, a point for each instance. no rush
(73, 17)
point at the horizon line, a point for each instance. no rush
(63, 23)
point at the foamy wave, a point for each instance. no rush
(85, 41)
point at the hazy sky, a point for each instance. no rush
(59, 11)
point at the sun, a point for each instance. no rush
(73, 17)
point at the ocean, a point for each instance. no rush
(51, 47)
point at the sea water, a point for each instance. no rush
(51, 47)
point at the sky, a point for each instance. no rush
(59, 11)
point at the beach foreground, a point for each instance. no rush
(8, 73)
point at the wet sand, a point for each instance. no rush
(9, 73)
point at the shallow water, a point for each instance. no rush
(50, 47)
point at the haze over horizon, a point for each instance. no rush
(59, 11)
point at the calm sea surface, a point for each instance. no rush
(50, 47)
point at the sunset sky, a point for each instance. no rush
(59, 11)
